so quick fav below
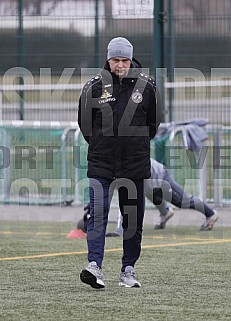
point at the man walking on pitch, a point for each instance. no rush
(118, 115)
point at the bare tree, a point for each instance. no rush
(8, 7)
(30, 7)
(190, 8)
(39, 7)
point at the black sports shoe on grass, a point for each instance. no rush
(93, 276)
(209, 222)
(164, 219)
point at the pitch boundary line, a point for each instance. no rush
(39, 256)
(9, 233)
(33, 234)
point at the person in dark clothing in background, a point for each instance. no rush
(118, 115)
(161, 189)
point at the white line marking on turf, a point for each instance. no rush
(39, 256)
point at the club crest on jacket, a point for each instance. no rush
(137, 97)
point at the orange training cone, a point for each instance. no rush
(77, 233)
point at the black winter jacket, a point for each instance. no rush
(118, 119)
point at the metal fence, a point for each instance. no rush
(36, 164)
(74, 33)
(44, 165)
(186, 45)
(47, 37)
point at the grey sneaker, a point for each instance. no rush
(127, 278)
(209, 222)
(93, 276)
(118, 232)
(112, 234)
(164, 219)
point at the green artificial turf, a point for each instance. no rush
(185, 276)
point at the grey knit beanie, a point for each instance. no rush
(119, 47)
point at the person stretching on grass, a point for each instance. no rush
(161, 189)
